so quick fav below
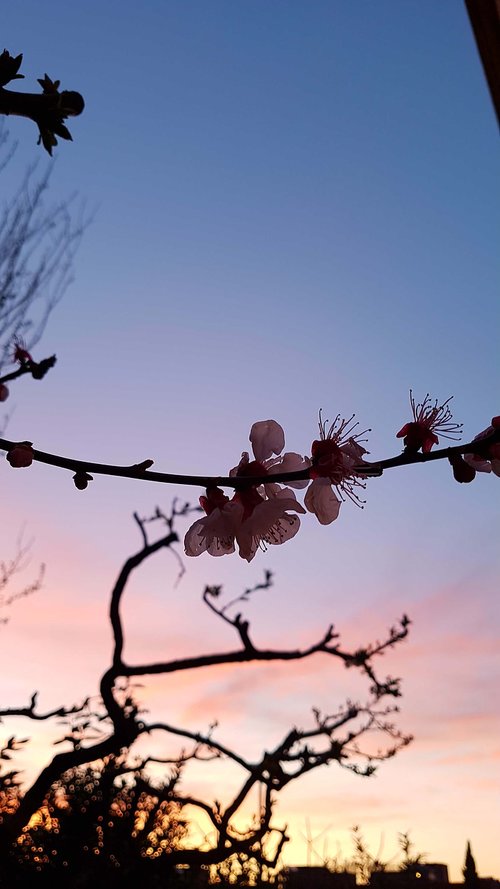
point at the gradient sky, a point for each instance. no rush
(295, 206)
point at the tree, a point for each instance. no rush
(10, 568)
(37, 249)
(106, 732)
(95, 824)
(469, 870)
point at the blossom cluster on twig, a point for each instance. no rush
(263, 509)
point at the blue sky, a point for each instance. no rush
(294, 206)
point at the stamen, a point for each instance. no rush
(435, 417)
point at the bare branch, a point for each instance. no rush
(37, 249)
(12, 567)
(340, 737)
(137, 470)
(31, 713)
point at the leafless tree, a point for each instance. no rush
(37, 248)
(12, 567)
(98, 732)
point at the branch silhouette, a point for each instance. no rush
(47, 110)
(142, 471)
(98, 731)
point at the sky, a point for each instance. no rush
(294, 206)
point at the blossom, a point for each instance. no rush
(269, 522)
(258, 514)
(216, 532)
(336, 457)
(268, 440)
(429, 419)
(20, 352)
(490, 460)
(21, 454)
(322, 500)
(4, 392)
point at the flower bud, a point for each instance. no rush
(82, 479)
(21, 455)
(4, 392)
(462, 471)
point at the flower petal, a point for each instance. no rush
(478, 463)
(245, 459)
(195, 541)
(291, 462)
(267, 438)
(354, 451)
(215, 533)
(322, 501)
(269, 523)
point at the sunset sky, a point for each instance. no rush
(294, 206)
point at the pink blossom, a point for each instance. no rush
(216, 532)
(268, 439)
(256, 515)
(21, 455)
(336, 458)
(269, 522)
(322, 500)
(489, 462)
(428, 419)
(4, 392)
(267, 507)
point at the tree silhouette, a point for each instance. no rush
(105, 731)
(94, 827)
(37, 248)
(469, 869)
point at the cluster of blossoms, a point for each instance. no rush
(264, 510)
(431, 418)
(267, 513)
(256, 515)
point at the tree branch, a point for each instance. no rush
(332, 738)
(47, 111)
(140, 471)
